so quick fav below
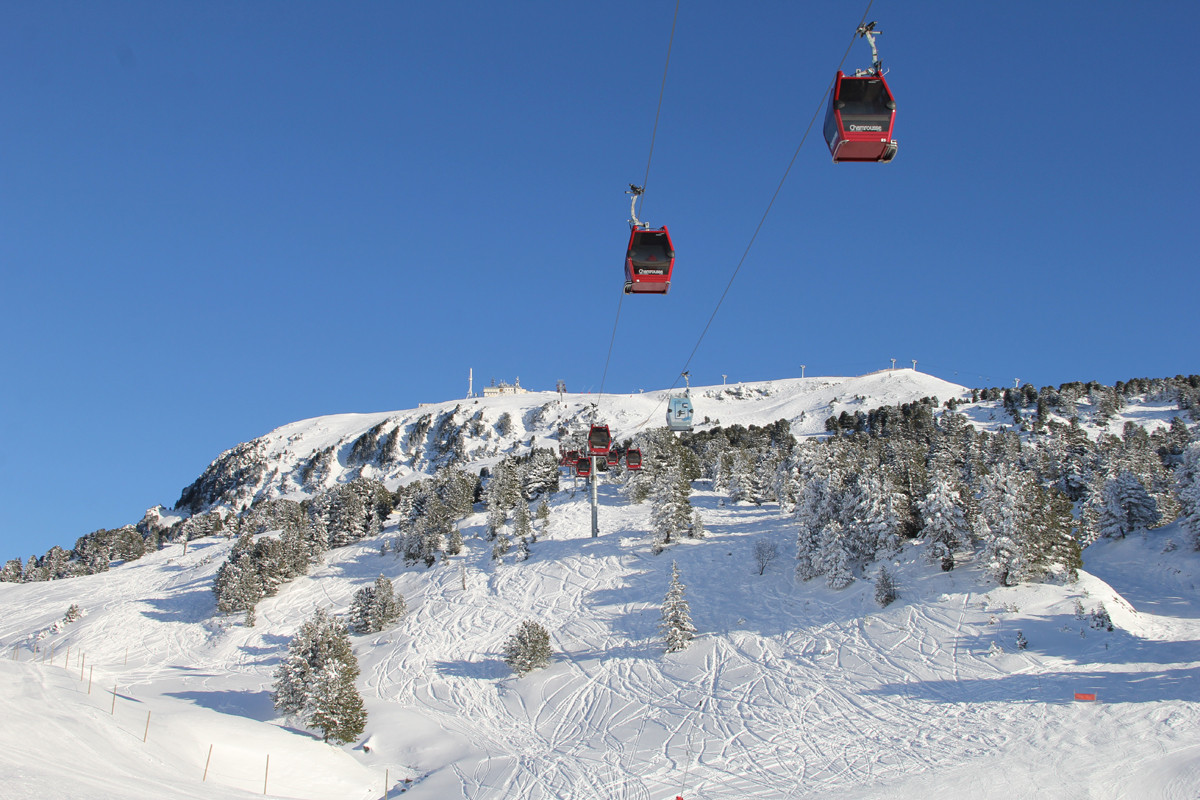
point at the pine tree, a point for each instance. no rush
(522, 526)
(387, 604)
(1003, 525)
(11, 571)
(360, 610)
(885, 588)
(528, 648)
(943, 521)
(336, 706)
(1127, 507)
(1100, 618)
(672, 511)
(676, 615)
(870, 509)
(316, 680)
(1053, 529)
(833, 556)
(376, 607)
(538, 473)
(1188, 488)
(502, 546)
(543, 516)
(523, 551)
(454, 542)
(239, 582)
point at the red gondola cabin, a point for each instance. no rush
(858, 124)
(599, 440)
(583, 467)
(649, 260)
(633, 458)
(570, 458)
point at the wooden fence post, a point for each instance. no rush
(265, 772)
(90, 671)
(206, 763)
(82, 661)
(146, 735)
(113, 710)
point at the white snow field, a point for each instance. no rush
(790, 690)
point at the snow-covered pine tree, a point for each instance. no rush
(316, 679)
(676, 626)
(387, 605)
(454, 543)
(943, 522)
(750, 474)
(1127, 507)
(238, 585)
(542, 515)
(360, 610)
(672, 511)
(885, 588)
(1187, 481)
(33, 571)
(336, 706)
(502, 545)
(11, 571)
(522, 526)
(833, 556)
(502, 492)
(538, 473)
(740, 480)
(1053, 529)
(1100, 618)
(806, 553)
(523, 551)
(1002, 524)
(528, 648)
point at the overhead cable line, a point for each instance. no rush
(645, 180)
(766, 213)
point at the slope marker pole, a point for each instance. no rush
(113, 710)
(207, 761)
(91, 671)
(146, 734)
(265, 772)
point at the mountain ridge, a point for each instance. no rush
(303, 457)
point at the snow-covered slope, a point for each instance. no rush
(790, 690)
(303, 457)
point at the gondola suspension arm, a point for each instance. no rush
(635, 191)
(869, 33)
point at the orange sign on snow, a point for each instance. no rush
(1091, 696)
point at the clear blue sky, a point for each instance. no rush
(218, 218)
